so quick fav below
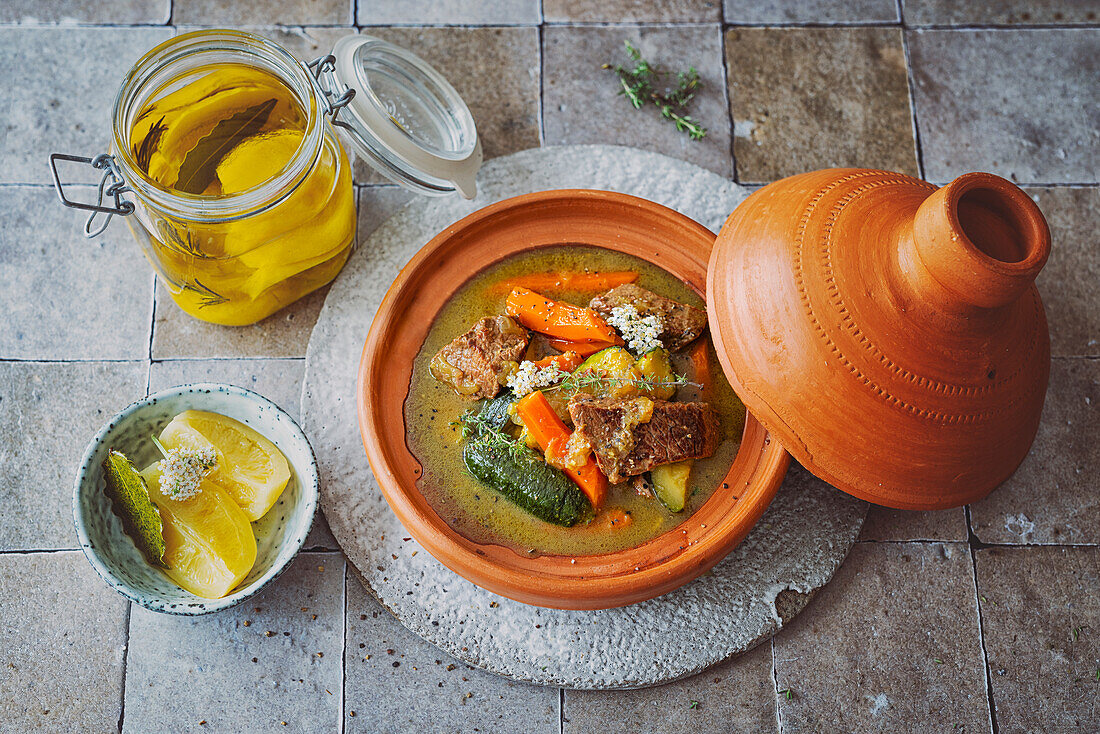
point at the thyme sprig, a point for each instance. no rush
(578, 381)
(645, 82)
(474, 425)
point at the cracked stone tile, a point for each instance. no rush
(271, 662)
(1068, 283)
(806, 98)
(60, 673)
(278, 380)
(85, 11)
(494, 70)
(391, 674)
(1041, 626)
(890, 645)
(53, 104)
(812, 11)
(65, 297)
(48, 413)
(631, 11)
(582, 104)
(237, 13)
(1036, 117)
(1000, 12)
(1052, 497)
(884, 523)
(449, 12)
(737, 695)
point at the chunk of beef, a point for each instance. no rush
(477, 363)
(682, 323)
(626, 446)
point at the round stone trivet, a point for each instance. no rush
(794, 550)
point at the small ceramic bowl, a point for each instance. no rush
(279, 534)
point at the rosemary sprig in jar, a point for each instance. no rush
(645, 82)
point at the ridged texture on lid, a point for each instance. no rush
(888, 333)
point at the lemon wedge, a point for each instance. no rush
(250, 468)
(257, 159)
(209, 547)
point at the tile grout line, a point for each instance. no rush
(125, 665)
(727, 93)
(35, 551)
(979, 544)
(972, 544)
(561, 711)
(152, 329)
(168, 360)
(344, 654)
(911, 88)
(541, 111)
(1006, 27)
(775, 687)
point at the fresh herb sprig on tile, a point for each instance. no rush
(645, 83)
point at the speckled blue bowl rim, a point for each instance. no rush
(310, 491)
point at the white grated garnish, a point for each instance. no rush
(182, 471)
(641, 333)
(529, 377)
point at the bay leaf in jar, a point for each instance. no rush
(200, 166)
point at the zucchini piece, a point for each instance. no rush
(655, 366)
(534, 485)
(494, 411)
(670, 483)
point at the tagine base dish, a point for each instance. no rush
(791, 553)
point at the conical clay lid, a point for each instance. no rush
(889, 334)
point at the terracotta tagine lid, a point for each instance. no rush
(887, 332)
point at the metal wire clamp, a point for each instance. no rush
(110, 184)
(334, 94)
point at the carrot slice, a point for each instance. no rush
(568, 280)
(548, 431)
(566, 362)
(617, 518)
(700, 364)
(584, 349)
(558, 320)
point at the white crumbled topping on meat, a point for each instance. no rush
(641, 333)
(530, 377)
(182, 471)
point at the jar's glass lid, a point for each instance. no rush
(405, 119)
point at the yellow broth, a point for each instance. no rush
(482, 514)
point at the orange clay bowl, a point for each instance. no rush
(614, 221)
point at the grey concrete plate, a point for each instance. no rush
(794, 550)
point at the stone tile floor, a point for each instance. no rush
(981, 619)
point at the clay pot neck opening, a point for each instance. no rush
(982, 240)
(996, 225)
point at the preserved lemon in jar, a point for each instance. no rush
(222, 130)
(226, 163)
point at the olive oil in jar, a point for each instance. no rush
(218, 131)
